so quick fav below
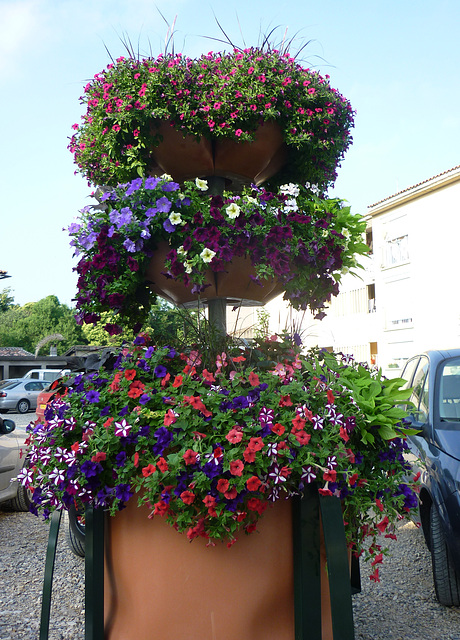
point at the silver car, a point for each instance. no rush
(19, 394)
(12, 457)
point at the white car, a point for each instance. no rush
(12, 457)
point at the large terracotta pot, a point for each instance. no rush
(160, 585)
(182, 157)
(185, 157)
(234, 284)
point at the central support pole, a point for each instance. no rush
(217, 308)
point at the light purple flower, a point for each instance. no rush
(151, 183)
(163, 205)
(129, 245)
(168, 226)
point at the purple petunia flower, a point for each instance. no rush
(90, 469)
(129, 245)
(163, 205)
(169, 226)
(134, 186)
(123, 492)
(151, 183)
(160, 371)
(92, 396)
(169, 186)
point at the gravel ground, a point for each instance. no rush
(401, 607)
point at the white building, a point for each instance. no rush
(408, 299)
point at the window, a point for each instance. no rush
(396, 251)
(449, 391)
(371, 298)
(370, 240)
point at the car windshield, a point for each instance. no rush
(449, 391)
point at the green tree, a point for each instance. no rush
(6, 299)
(25, 326)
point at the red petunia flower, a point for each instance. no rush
(285, 401)
(255, 444)
(177, 381)
(222, 485)
(234, 436)
(278, 428)
(162, 465)
(190, 456)
(187, 497)
(236, 467)
(253, 483)
(302, 437)
(148, 470)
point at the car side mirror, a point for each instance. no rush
(7, 426)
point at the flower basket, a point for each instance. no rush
(219, 97)
(235, 283)
(291, 237)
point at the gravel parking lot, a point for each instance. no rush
(401, 607)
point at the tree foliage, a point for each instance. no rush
(6, 299)
(24, 326)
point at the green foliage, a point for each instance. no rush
(6, 300)
(25, 326)
(379, 399)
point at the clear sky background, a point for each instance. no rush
(397, 61)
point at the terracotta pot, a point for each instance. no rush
(158, 584)
(252, 161)
(182, 157)
(172, 290)
(234, 284)
(185, 157)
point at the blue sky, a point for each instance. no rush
(397, 62)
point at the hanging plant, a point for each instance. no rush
(217, 97)
(302, 241)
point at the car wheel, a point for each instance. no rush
(75, 532)
(446, 580)
(23, 406)
(22, 500)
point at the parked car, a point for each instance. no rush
(46, 374)
(12, 458)
(18, 394)
(434, 377)
(45, 396)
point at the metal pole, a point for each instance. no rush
(217, 308)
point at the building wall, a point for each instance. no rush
(406, 300)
